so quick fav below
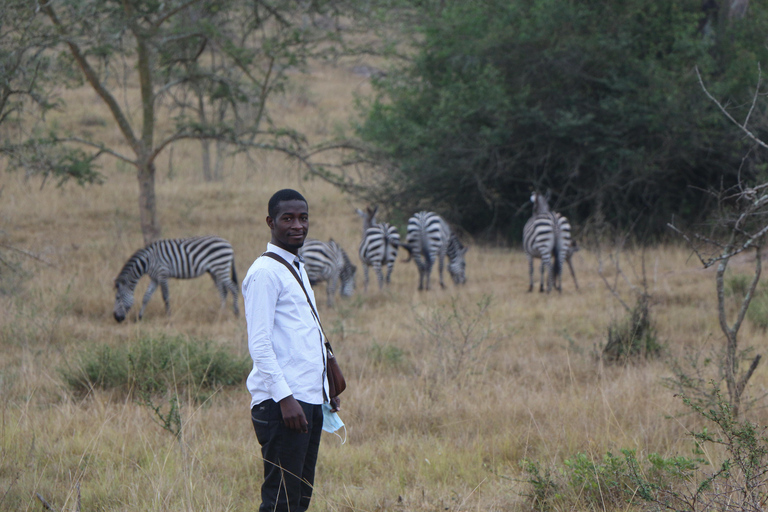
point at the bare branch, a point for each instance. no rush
(727, 114)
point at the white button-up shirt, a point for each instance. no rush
(284, 338)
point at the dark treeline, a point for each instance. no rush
(597, 101)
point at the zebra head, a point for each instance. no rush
(348, 280)
(456, 263)
(368, 216)
(123, 297)
(540, 203)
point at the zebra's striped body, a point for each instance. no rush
(541, 239)
(329, 262)
(429, 238)
(568, 247)
(182, 258)
(378, 248)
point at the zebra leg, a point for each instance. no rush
(365, 277)
(166, 295)
(147, 295)
(232, 287)
(330, 288)
(545, 265)
(390, 267)
(530, 272)
(440, 269)
(379, 275)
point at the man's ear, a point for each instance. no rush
(270, 222)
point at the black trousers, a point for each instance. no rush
(289, 457)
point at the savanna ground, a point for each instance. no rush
(434, 422)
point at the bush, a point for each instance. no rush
(156, 365)
(738, 483)
(603, 484)
(634, 337)
(758, 310)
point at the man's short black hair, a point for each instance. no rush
(287, 194)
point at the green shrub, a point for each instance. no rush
(736, 285)
(633, 337)
(758, 310)
(585, 483)
(156, 365)
(386, 355)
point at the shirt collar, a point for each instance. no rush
(286, 255)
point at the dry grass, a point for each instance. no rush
(423, 435)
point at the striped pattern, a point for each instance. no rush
(567, 247)
(328, 262)
(182, 258)
(541, 239)
(428, 239)
(378, 247)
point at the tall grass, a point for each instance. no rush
(436, 419)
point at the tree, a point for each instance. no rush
(740, 226)
(26, 93)
(596, 101)
(251, 44)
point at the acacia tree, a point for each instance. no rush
(164, 43)
(26, 94)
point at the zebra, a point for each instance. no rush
(378, 246)
(328, 262)
(541, 239)
(429, 238)
(568, 246)
(182, 258)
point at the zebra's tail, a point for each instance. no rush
(408, 248)
(234, 272)
(426, 252)
(557, 261)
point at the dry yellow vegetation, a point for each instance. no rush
(423, 433)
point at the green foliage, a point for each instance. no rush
(156, 366)
(738, 483)
(386, 355)
(758, 309)
(611, 483)
(596, 101)
(737, 285)
(634, 337)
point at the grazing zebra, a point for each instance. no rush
(378, 246)
(541, 239)
(568, 247)
(328, 262)
(429, 238)
(182, 258)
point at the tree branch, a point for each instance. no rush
(728, 115)
(93, 80)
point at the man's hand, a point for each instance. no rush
(335, 404)
(293, 414)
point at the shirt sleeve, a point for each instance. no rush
(260, 294)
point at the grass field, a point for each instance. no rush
(437, 419)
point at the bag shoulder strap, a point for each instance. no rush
(306, 294)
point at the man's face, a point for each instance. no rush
(290, 225)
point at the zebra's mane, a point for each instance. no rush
(134, 268)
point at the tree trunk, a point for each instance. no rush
(150, 227)
(205, 145)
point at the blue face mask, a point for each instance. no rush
(332, 422)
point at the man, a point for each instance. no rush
(288, 382)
